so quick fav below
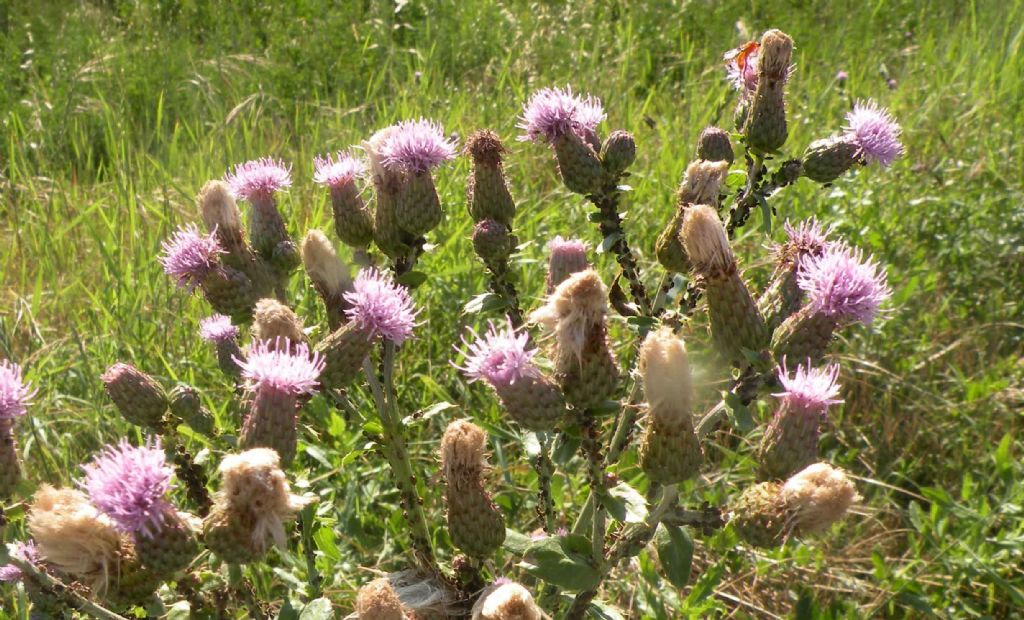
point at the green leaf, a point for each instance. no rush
(707, 583)
(608, 242)
(625, 503)
(604, 611)
(1002, 454)
(318, 455)
(736, 179)
(319, 609)
(484, 302)
(326, 542)
(553, 565)
(739, 412)
(412, 279)
(675, 553)
(373, 427)
(516, 543)
(179, 611)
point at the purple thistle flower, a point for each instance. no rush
(842, 76)
(217, 328)
(499, 357)
(258, 177)
(339, 170)
(843, 285)
(288, 369)
(809, 390)
(189, 256)
(500, 581)
(875, 131)
(807, 237)
(553, 112)
(24, 551)
(129, 485)
(416, 146)
(379, 306)
(15, 393)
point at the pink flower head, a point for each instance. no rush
(217, 328)
(500, 581)
(381, 307)
(24, 551)
(416, 146)
(259, 177)
(189, 256)
(500, 357)
(15, 393)
(875, 131)
(809, 390)
(129, 484)
(562, 248)
(843, 285)
(842, 76)
(339, 170)
(553, 112)
(286, 369)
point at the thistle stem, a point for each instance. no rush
(545, 470)
(607, 204)
(59, 588)
(191, 474)
(500, 284)
(312, 574)
(746, 201)
(397, 454)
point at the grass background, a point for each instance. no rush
(115, 112)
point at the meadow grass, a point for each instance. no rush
(116, 112)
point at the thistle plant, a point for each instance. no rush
(603, 366)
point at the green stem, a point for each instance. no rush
(740, 211)
(397, 454)
(312, 574)
(545, 470)
(58, 588)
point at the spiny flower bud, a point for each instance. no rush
(222, 217)
(129, 485)
(277, 373)
(15, 395)
(492, 243)
(565, 257)
(817, 497)
(765, 127)
(474, 522)
(507, 601)
(618, 153)
(330, 276)
(701, 185)
(584, 365)
(257, 181)
(714, 145)
(504, 361)
(670, 451)
(377, 308)
(188, 407)
(487, 194)
(826, 160)
(387, 234)
(138, 397)
(251, 507)
(783, 296)
(842, 287)
(791, 441)
(74, 537)
(567, 122)
(224, 336)
(353, 222)
(411, 152)
(736, 324)
(276, 323)
(759, 515)
(377, 600)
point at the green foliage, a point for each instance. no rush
(115, 112)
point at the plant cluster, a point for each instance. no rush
(581, 393)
